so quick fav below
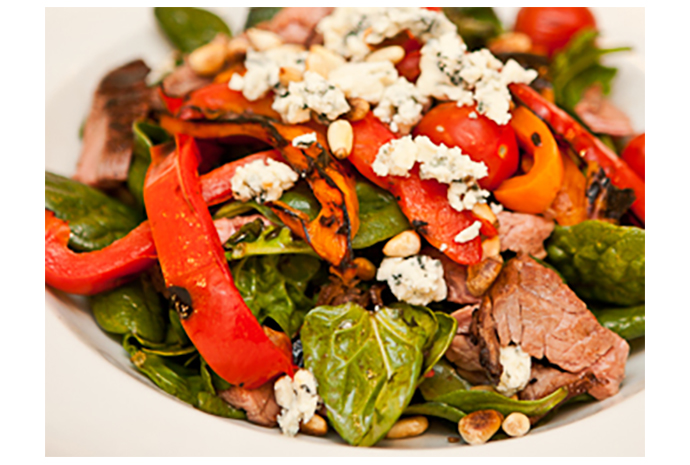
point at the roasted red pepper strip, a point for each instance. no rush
(583, 143)
(330, 233)
(424, 202)
(212, 311)
(89, 273)
(101, 270)
(218, 99)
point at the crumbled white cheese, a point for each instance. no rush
(472, 115)
(496, 207)
(396, 157)
(364, 80)
(305, 140)
(298, 400)
(263, 70)
(443, 247)
(312, 93)
(350, 31)
(464, 196)
(512, 72)
(417, 280)
(468, 233)
(401, 106)
(516, 370)
(262, 182)
(440, 65)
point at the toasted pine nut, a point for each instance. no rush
(322, 61)
(358, 109)
(511, 42)
(484, 211)
(288, 75)
(366, 271)
(237, 48)
(208, 59)
(408, 427)
(340, 138)
(482, 275)
(317, 426)
(491, 247)
(403, 245)
(263, 40)
(478, 427)
(516, 424)
(483, 387)
(394, 54)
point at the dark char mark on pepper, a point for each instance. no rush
(181, 301)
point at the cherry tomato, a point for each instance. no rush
(551, 28)
(477, 136)
(633, 155)
(409, 66)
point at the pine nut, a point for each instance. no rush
(408, 427)
(394, 54)
(208, 59)
(263, 40)
(491, 247)
(482, 275)
(478, 427)
(322, 61)
(316, 426)
(340, 138)
(237, 48)
(516, 424)
(358, 109)
(485, 212)
(511, 42)
(288, 75)
(366, 271)
(403, 245)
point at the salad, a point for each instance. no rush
(358, 220)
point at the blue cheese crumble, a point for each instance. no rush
(263, 70)
(417, 280)
(364, 80)
(298, 400)
(262, 182)
(465, 195)
(305, 140)
(401, 106)
(468, 233)
(313, 93)
(517, 366)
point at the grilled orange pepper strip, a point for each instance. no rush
(535, 191)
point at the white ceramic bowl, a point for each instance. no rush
(109, 409)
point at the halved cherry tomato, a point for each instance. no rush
(551, 28)
(633, 155)
(409, 66)
(477, 136)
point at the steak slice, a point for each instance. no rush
(524, 233)
(530, 306)
(260, 404)
(455, 276)
(297, 25)
(121, 98)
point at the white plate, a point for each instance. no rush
(108, 409)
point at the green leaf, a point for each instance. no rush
(133, 307)
(274, 240)
(476, 25)
(146, 135)
(447, 326)
(447, 387)
(601, 261)
(435, 409)
(275, 287)
(95, 220)
(189, 28)
(259, 14)
(366, 364)
(628, 323)
(577, 67)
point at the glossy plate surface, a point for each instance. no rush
(108, 409)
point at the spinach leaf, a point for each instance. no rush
(133, 307)
(189, 28)
(447, 325)
(628, 323)
(146, 135)
(181, 382)
(600, 261)
(577, 67)
(275, 240)
(95, 220)
(259, 14)
(436, 409)
(448, 388)
(380, 217)
(476, 25)
(366, 364)
(275, 286)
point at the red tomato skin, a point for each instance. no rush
(633, 155)
(551, 28)
(480, 138)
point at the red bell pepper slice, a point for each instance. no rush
(424, 202)
(585, 144)
(212, 311)
(89, 273)
(217, 99)
(101, 270)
